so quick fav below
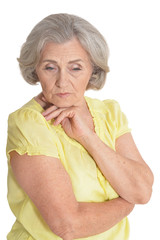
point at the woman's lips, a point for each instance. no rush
(63, 95)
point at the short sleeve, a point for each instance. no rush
(117, 119)
(29, 132)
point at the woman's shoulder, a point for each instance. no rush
(29, 132)
(102, 105)
(30, 110)
(110, 111)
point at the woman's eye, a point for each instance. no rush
(49, 68)
(76, 69)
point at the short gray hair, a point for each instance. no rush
(59, 28)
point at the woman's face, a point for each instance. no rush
(64, 71)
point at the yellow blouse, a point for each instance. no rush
(29, 132)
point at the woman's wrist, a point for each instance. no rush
(88, 140)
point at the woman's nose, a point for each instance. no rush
(62, 79)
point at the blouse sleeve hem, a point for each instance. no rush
(123, 132)
(32, 152)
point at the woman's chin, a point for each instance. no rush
(62, 103)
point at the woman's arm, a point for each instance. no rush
(125, 169)
(46, 182)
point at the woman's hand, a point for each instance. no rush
(73, 120)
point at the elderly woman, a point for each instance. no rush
(74, 169)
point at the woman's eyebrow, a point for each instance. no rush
(72, 61)
(49, 60)
(76, 60)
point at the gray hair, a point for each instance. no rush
(59, 28)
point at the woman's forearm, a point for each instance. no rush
(128, 177)
(95, 218)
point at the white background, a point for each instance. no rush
(132, 30)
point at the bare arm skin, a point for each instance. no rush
(125, 169)
(56, 202)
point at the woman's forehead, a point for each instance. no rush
(70, 51)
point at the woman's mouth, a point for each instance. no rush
(63, 95)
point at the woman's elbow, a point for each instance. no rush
(64, 226)
(143, 195)
(146, 189)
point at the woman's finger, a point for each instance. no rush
(67, 113)
(54, 113)
(49, 110)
